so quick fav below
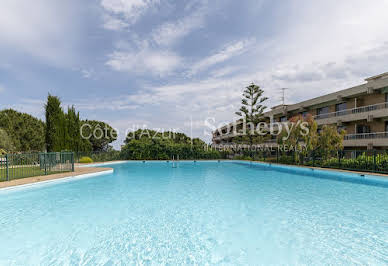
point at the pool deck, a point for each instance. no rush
(30, 180)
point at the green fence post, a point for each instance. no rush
(374, 161)
(45, 164)
(72, 161)
(277, 155)
(339, 159)
(6, 166)
(313, 158)
(294, 155)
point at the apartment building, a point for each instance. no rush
(362, 111)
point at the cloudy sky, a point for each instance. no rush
(174, 64)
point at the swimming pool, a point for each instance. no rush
(226, 212)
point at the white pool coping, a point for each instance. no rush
(56, 181)
(367, 176)
(101, 164)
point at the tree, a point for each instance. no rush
(25, 132)
(99, 134)
(55, 130)
(330, 140)
(311, 140)
(144, 144)
(302, 137)
(6, 144)
(252, 110)
(62, 131)
(74, 140)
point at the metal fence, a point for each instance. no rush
(15, 166)
(356, 160)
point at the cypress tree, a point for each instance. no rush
(55, 130)
(74, 141)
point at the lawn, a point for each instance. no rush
(21, 172)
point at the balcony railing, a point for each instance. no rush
(377, 135)
(357, 110)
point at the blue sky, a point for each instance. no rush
(174, 64)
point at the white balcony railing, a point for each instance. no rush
(377, 135)
(357, 110)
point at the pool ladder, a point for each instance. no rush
(175, 163)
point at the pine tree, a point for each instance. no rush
(252, 109)
(26, 132)
(6, 144)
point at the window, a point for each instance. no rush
(283, 119)
(386, 97)
(386, 126)
(322, 112)
(361, 129)
(340, 108)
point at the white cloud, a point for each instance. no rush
(87, 73)
(112, 23)
(33, 107)
(316, 48)
(329, 31)
(145, 61)
(229, 51)
(126, 11)
(224, 71)
(219, 97)
(114, 104)
(45, 29)
(170, 32)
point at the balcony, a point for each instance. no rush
(226, 136)
(366, 139)
(359, 113)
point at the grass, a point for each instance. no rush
(23, 172)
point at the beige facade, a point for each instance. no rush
(362, 111)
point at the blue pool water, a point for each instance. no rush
(229, 213)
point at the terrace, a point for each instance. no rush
(359, 113)
(365, 139)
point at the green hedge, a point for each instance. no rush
(362, 162)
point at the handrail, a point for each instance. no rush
(376, 135)
(356, 110)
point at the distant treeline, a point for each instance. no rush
(21, 132)
(147, 144)
(61, 131)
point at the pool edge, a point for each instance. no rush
(56, 180)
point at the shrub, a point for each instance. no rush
(362, 162)
(243, 157)
(286, 159)
(85, 159)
